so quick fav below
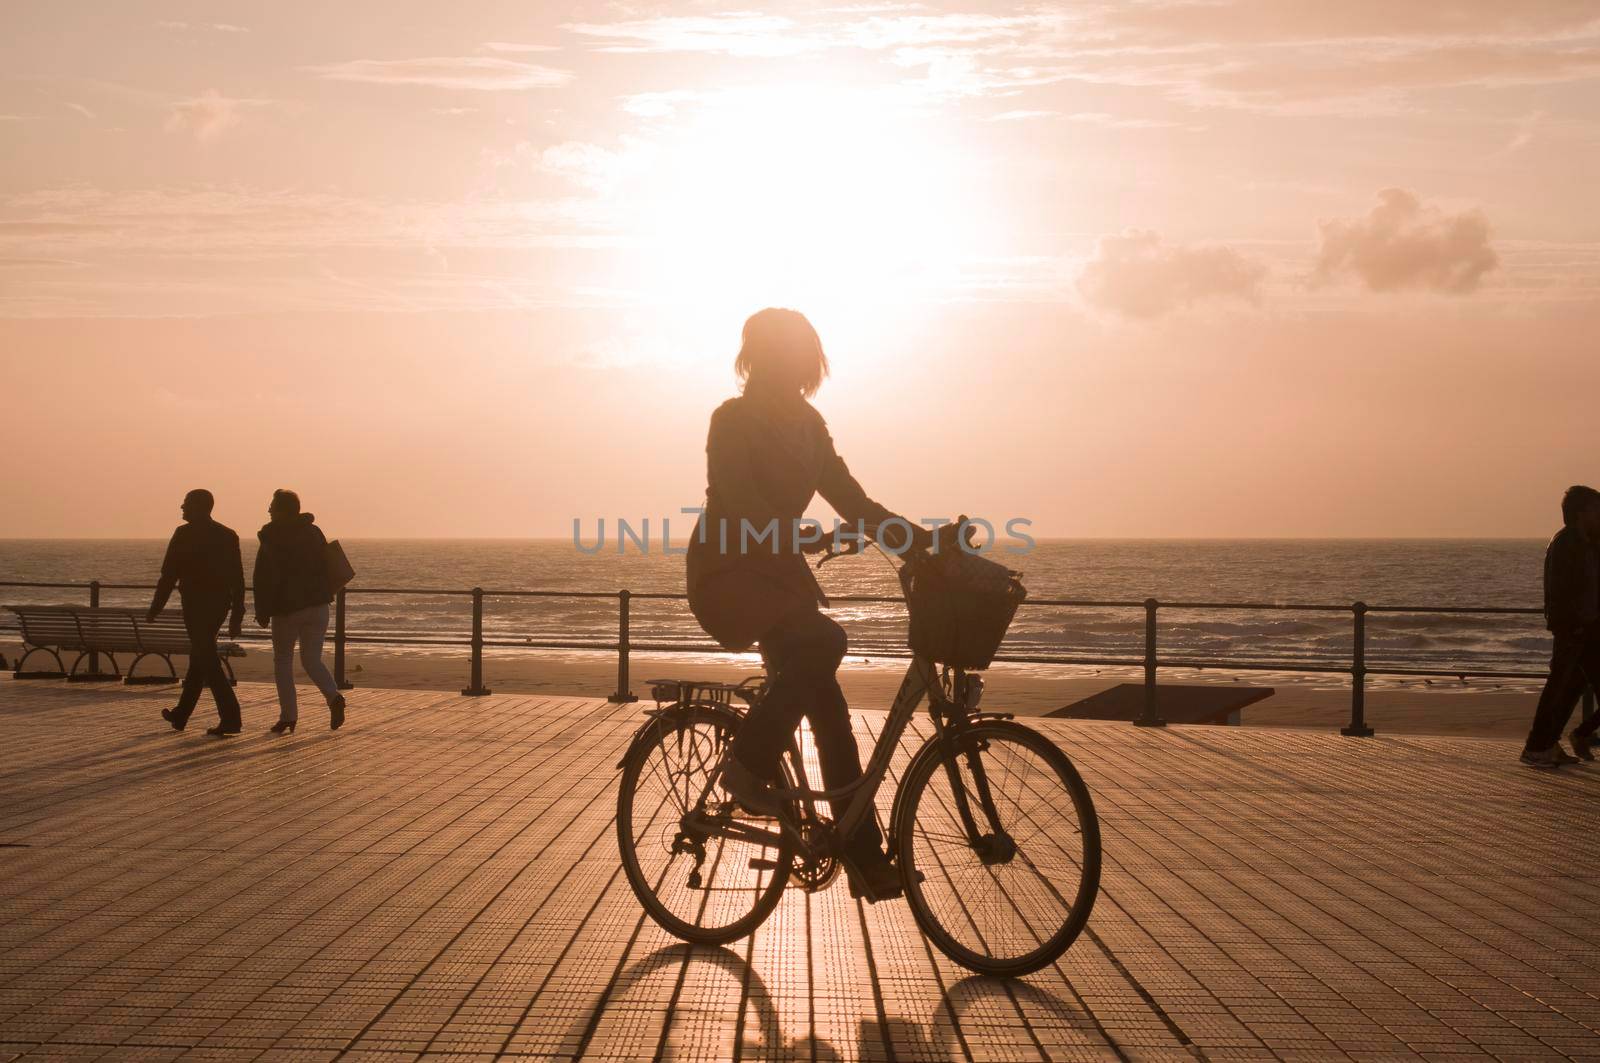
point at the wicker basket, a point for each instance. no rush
(961, 606)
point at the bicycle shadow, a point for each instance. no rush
(759, 1031)
(984, 996)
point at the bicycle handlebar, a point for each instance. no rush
(946, 537)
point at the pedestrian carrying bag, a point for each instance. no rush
(961, 606)
(339, 570)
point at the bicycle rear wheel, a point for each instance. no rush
(1015, 900)
(704, 888)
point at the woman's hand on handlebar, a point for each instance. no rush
(949, 536)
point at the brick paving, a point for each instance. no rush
(440, 880)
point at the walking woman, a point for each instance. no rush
(767, 454)
(292, 594)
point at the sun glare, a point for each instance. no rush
(800, 195)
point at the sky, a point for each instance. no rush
(1163, 268)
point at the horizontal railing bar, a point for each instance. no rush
(1281, 607)
(487, 593)
(1456, 673)
(1491, 609)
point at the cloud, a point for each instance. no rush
(1288, 56)
(208, 114)
(475, 72)
(750, 33)
(517, 48)
(1402, 244)
(1138, 276)
(1279, 21)
(18, 117)
(79, 108)
(215, 27)
(1364, 71)
(662, 104)
(1095, 118)
(742, 33)
(586, 165)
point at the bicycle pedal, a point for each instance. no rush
(758, 864)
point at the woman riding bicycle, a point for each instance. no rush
(768, 452)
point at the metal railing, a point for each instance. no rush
(1150, 661)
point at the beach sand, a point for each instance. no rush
(1446, 707)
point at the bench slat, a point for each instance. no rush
(108, 629)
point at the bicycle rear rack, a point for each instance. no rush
(686, 691)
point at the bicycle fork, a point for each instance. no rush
(996, 846)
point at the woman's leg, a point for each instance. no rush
(313, 630)
(841, 759)
(789, 651)
(803, 654)
(767, 727)
(283, 636)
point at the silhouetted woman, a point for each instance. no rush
(767, 454)
(292, 593)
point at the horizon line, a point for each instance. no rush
(675, 539)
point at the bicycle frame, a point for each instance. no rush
(921, 680)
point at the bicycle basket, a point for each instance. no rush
(961, 605)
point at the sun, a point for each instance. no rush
(808, 195)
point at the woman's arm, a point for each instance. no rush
(845, 494)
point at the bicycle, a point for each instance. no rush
(992, 827)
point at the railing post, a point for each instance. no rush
(1151, 717)
(1358, 676)
(477, 689)
(338, 643)
(94, 603)
(623, 695)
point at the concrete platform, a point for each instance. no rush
(441, 879)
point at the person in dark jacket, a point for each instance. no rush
(292, 594)
(1572, 613)
(767, 453)
(202, 562)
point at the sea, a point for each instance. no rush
(411, 574)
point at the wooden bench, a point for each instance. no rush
(54, 629)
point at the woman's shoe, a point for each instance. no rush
(171, 716)
(874, 881)
(282, 726)
(754, 796)
(1583, 745)
(336, 713)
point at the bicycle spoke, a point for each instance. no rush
(701, 887)
(1005, 911)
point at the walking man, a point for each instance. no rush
(1572, 613)
(203, 563)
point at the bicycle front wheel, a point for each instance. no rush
(1000, 848)
(703, 888)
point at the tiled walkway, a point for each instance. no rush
(441, 877)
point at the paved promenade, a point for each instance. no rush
(441, 879)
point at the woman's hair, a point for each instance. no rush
(286, 500)
(781, 352)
